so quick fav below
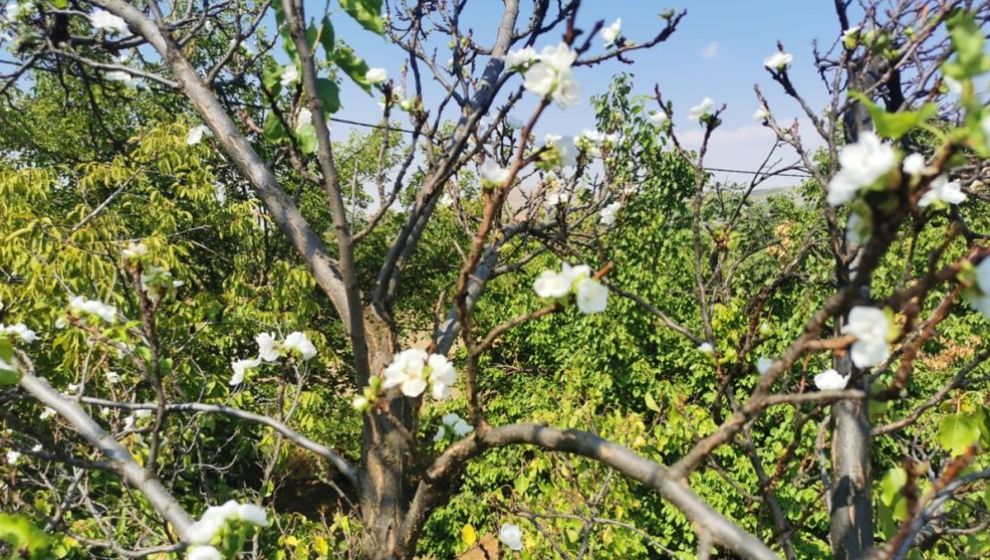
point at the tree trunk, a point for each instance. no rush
(851, 531)
(384, 485)
(852, 503)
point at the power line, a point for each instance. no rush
(718, 169)
(747, 172)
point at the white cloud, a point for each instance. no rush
(710, 52)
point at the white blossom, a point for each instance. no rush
(701, 110)
(706, 348)
(203, 553)
(761, 114)
(870, 327)
(21, 331)
(954, 86)
(304, 117)
(657, 118)
(455, 424)
(134, 250)
(125, 78)
(442, 376)
(297, 341)
(15, 9)
(556, 199)
(375, 75)
(942, 190)
(611, 32)
(215, 517)
(778, 60)
(979, 300)
(290, 75)
(197, 133)
(407, 371)
(36, 448)
(250, 513)
(914, 165)
(105, 21)
(559, 151)
(268, 347)
(552, 284)
(520, 58)
(607, 214)
(241, 366)
(13, 457)
(82, 305)
(591, 296)
(446, 200)
(552, 76)
(47, 413)
(763, 365)
(862, 164)
(830, 380)
(492, 173)
(112, 376)
(511, 536)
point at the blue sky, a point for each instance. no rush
(717, 52)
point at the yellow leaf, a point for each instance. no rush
(468, 534)
(321, 546)
(291, 541)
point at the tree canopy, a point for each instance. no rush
(231, 327)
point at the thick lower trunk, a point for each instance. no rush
(385, 486)
(852, 503)
(385, 490)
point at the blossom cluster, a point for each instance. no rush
(80, 306)
(414, 370)
(831, 380)
(549, 73)
(871, 328)
(591, 295)
(19, 330)
(270, 349)
(452, 425)
(213, 521)
(197, 133)
(108, 23)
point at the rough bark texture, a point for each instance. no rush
(852, 506)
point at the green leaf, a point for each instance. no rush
(896, 125)
(283, 31)
(306, 134)
(6, 349)
(271, 78)
(327, 36)
(272, 129)
(957, 432)
(367, 13)
(352, 65)
(329, 94)
(22, 534)
(967, 41)
(60, 4)
(890, 486)
(650, 403)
